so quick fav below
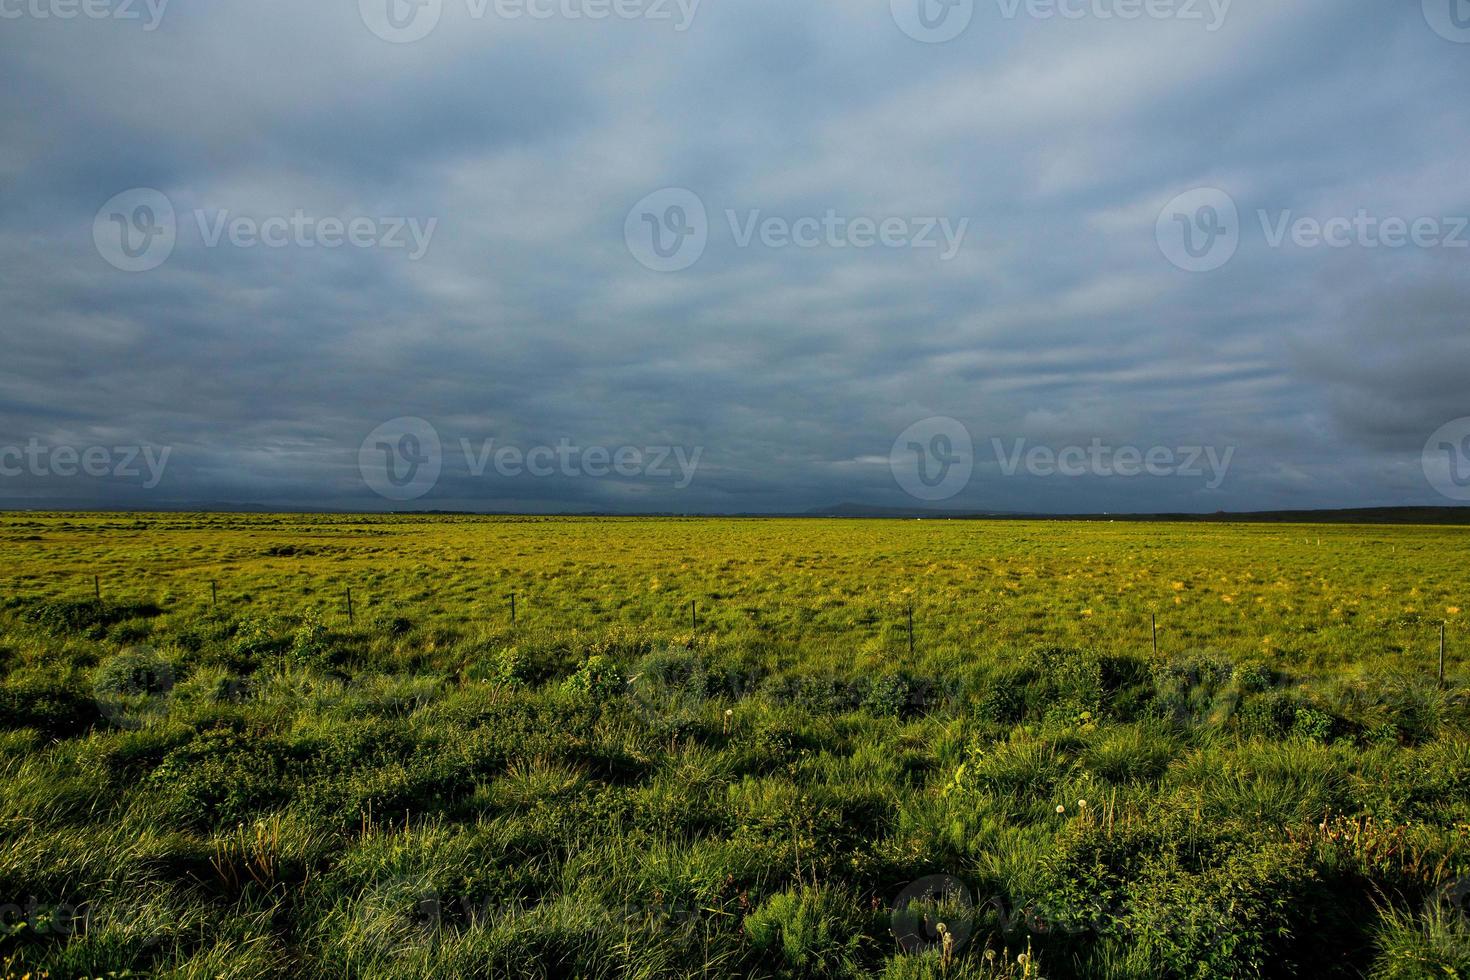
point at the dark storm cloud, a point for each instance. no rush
(1058, 322)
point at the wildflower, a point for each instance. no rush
(1453, 610)
(1061, 808)
(1082, 804)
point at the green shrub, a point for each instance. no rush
(223, 777)
(256, 638)
(1229, 919)
(86, 617)
(889, 694)
(391, 624)
(309, 643)
(1434, 945)
(809, 932)
(599, 680)
(1027, 768)
(1131, 754)
(134, 672)
(1312, 724)
(1003, 700)
(51, 708)
(508, 668)
(1196, 691)
(1268, 716)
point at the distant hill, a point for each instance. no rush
(1355, 515)
(1454, 516)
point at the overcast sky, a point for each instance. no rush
(736, 256)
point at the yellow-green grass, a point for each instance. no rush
(1312, 596)
(617, 786)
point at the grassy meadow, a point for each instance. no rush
(717, 747)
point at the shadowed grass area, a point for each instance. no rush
(606, 788)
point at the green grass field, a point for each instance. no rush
(716, 747)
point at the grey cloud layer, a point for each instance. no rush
(528, 321)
